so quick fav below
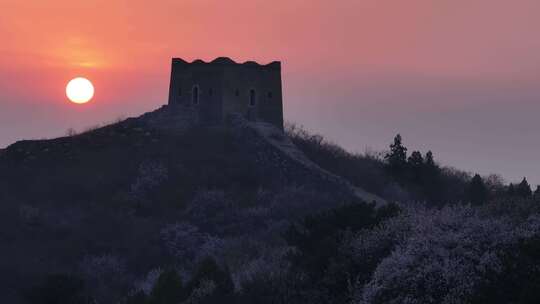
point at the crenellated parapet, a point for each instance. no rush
(228, 61)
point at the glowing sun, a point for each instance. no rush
(79, 90)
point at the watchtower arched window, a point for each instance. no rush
(252, 98)
(195, 95)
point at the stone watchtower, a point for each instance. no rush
(216, 89)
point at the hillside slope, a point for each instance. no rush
(113, 195)
(273, 138)
(74, 164)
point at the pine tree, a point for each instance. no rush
(416, 160)
(431, 178)
(397, 157)
(511, 190)
(416, 165)
(209, 270)
(524, 189)
(430, 163)
(477, 190)
(537, 193)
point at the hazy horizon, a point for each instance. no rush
(459, 78)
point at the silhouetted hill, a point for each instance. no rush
(158, 209)
(112, 191)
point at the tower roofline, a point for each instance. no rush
(227, 61)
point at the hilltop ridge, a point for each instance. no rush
(113, 190)
(263, 144)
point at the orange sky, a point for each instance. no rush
(457, 76)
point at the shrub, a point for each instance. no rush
(211, 283)
(146, 285)
(187, 244)
(151, 174)
(105, 276)
(30, 215)
(58, 289)
(168, 289)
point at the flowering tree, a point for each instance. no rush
(150, 175)
(104, 274)
(189, 245)
(445, 257)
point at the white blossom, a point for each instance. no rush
(443, 258)
(146, 284)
